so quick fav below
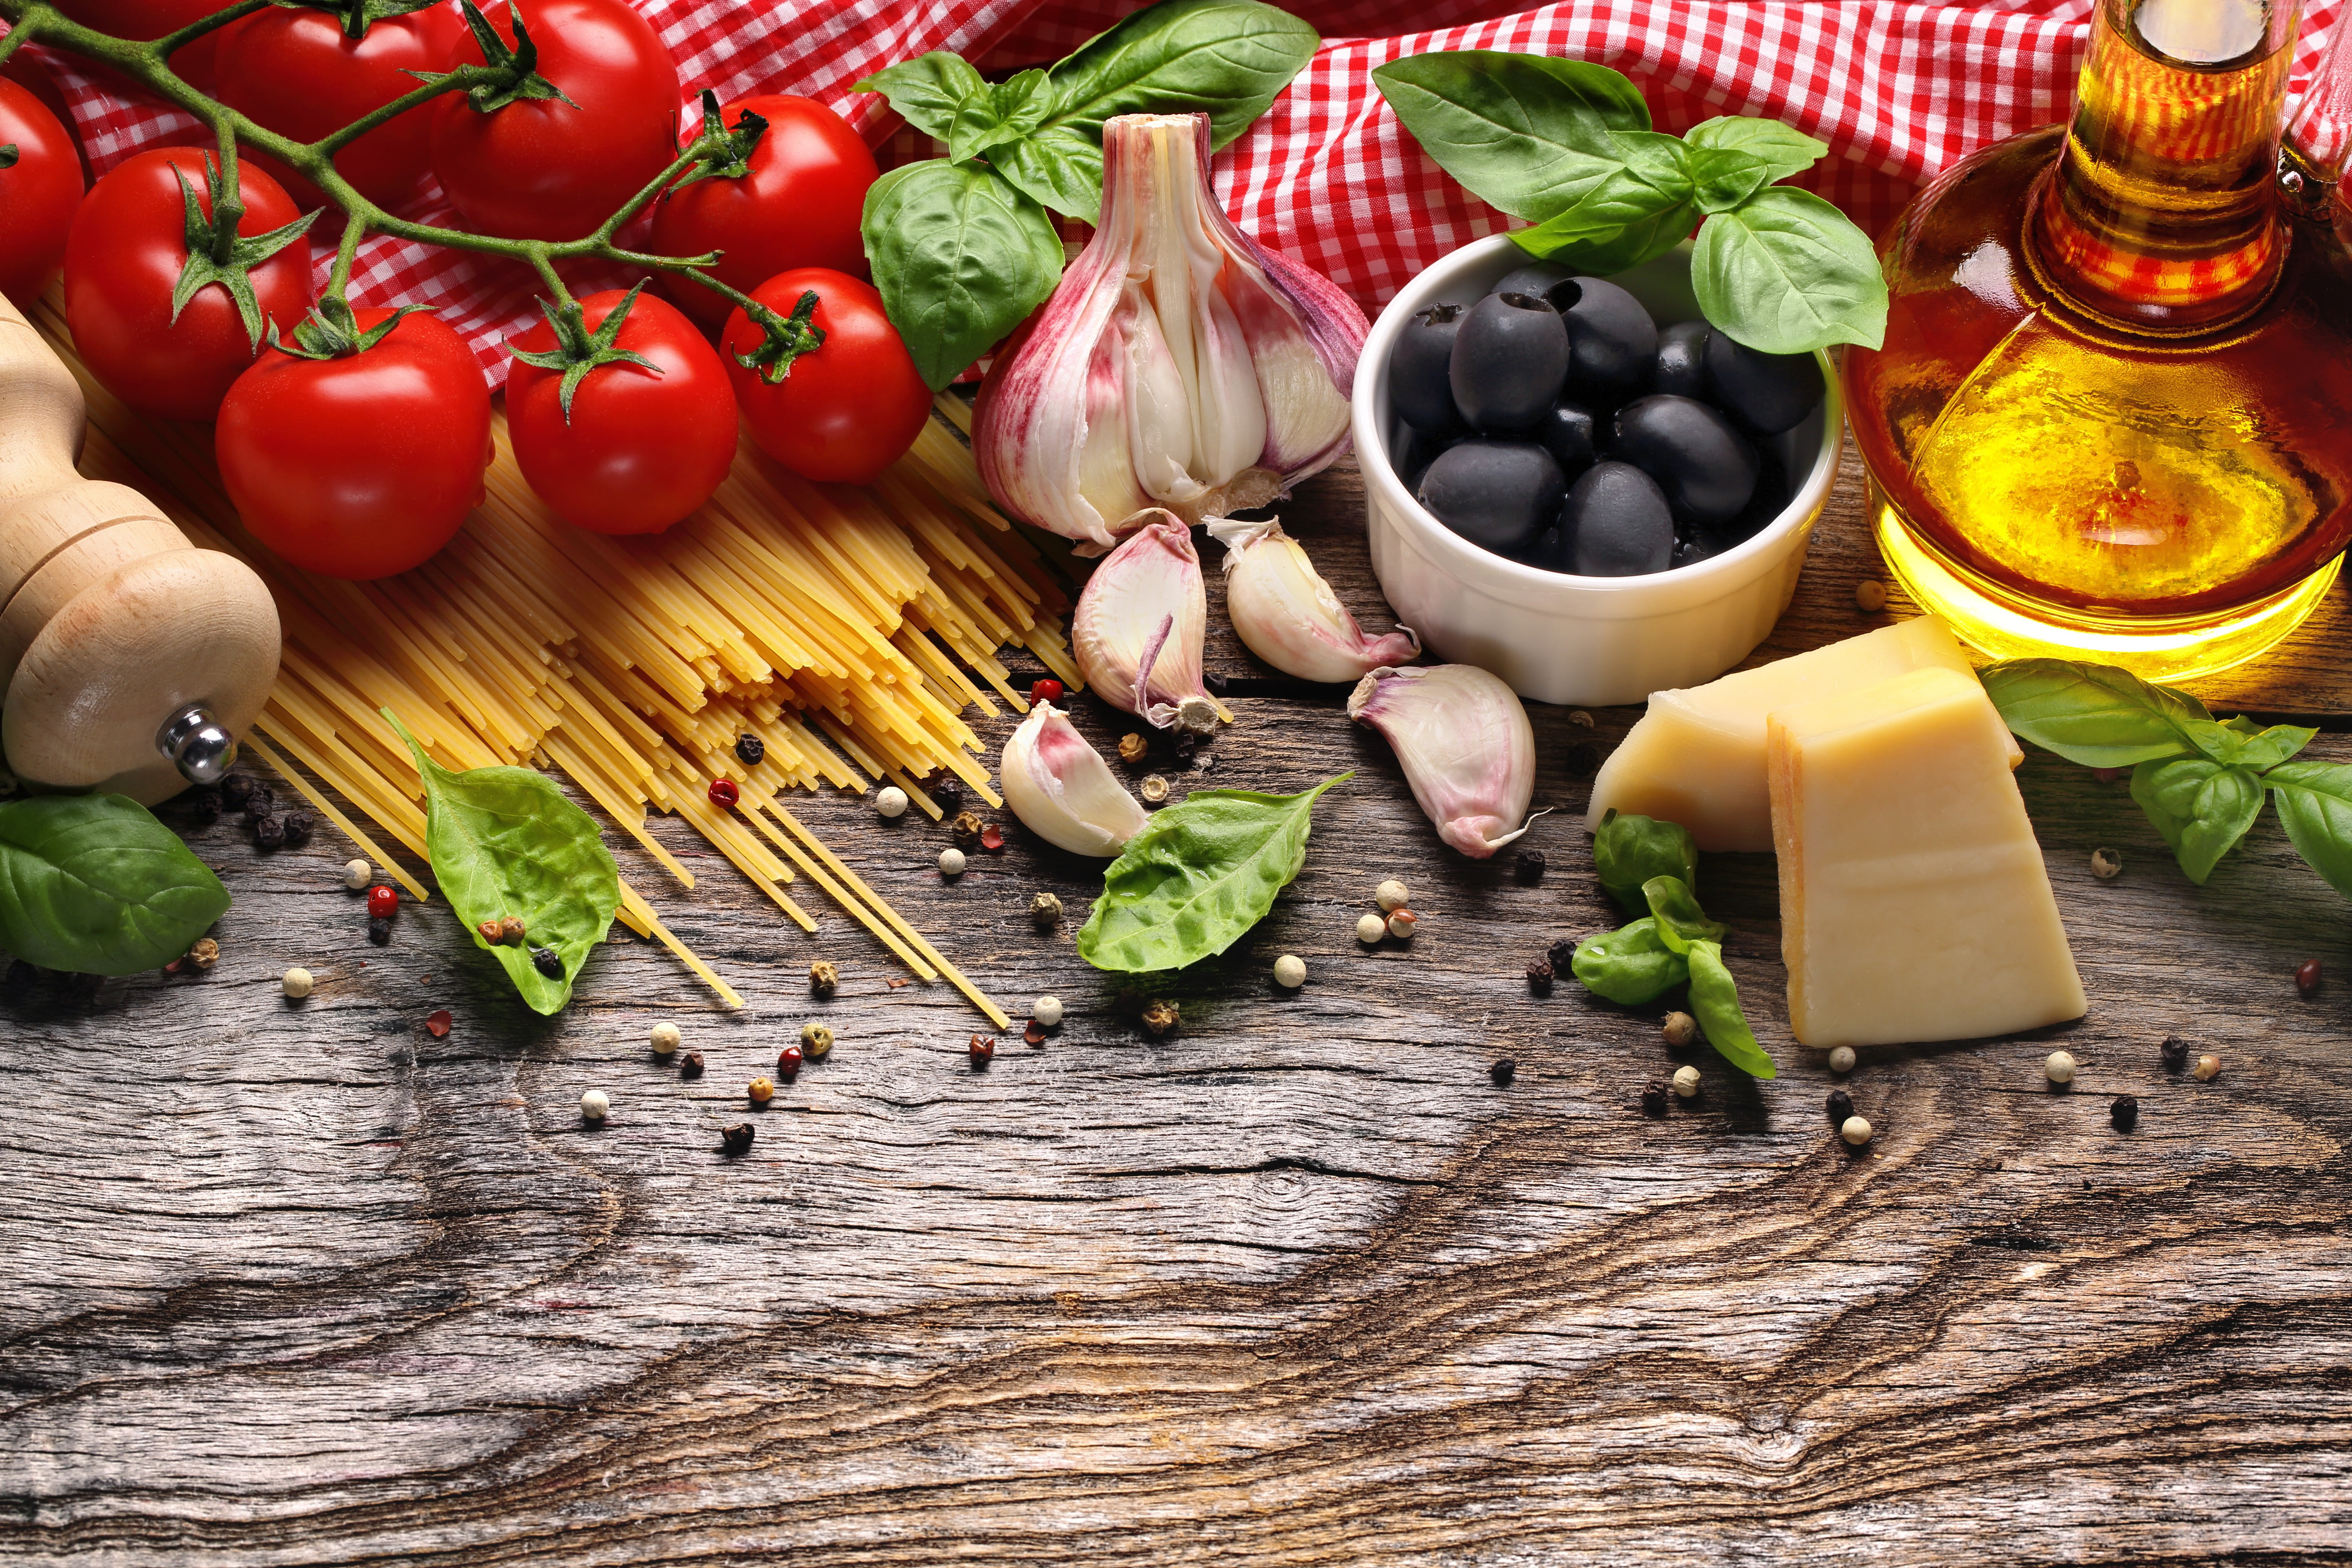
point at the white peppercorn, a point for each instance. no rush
(1870, 595)
(1687, 1082)
(1154, 789)
(1391, 894)
(891, 802)
(1370, 929)
(1046, 1011)
(1841, 1059)
(952, 861)
(595, 1105)
(666, 1038)
(2207, 1069)
(1680, 1029)
(1855, 1130)
(1402, 924)
(2106, 864)
(297, 982)
(357, 874)
(2059, 1066)
(1290, 972)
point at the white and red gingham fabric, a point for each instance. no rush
(1898, 91)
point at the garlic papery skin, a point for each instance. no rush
(1467, 748)
(1062, 789)
(1281, 607)
(1178, 364)
(1140, 621)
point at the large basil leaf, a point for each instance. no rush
(1783, 149)
(960, 256)
(2093, 714)
(1197, 877)
(1058, 169)
(1226, 58)
(1628, 851)
(504, 841)
(2201, 807)
(2241, 743)
(1675, 909)
(1601, 249)
(1631, 965)
(1785, 273)
(929, 91)
(94, 884)
(1723, 177)
(1528, 133)
(1715, 1002)
(1008, 111)
(2315, 804)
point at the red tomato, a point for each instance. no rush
(541, 169)
(799, 207)
(642, 449)
(140, 20)
(294, 72)
(362, 465)
(123, 260)
(37, 195)
(849, 408)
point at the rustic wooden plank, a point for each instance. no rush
(295, 1284)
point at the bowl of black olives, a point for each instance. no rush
(1579, 484)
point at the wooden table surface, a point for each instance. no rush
(295, 1283)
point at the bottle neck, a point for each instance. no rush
(2162, 212)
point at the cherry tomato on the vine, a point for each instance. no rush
(799, 205)
(845, 410)
(143, 20)
(297, 73)
(539, 168)
(360, 466)
(38, 193)
(642, 449)
(123, 260)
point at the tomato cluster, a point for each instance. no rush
(355, 443)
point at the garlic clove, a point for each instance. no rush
(1179, 363)
(1467, 748)
(1288, 615)
(1062, 790)
(1140, 624)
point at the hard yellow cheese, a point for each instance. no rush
(1697, 755)
(1914, 903)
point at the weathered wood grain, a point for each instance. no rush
(298, 1283)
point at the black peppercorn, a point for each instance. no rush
(83, 987)
(2123, 1111)
(1503, 1072)
(548, 961)
(2176, 1053)
(269, 832)
(205, 805)
(1540, 977)
(1654, 1098)
(1186, 744)
(690, 1065)
(18, 983)
(298, 825)
(234, 790)
(1583, 760)
(1841, 1106)
(1561, 956)
(735, 1140)
(261, 801)
(948, 795)
(380, 931)
(749, 751)
(1531, 865)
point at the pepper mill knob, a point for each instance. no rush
(196, 743)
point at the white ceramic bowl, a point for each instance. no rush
(1560, 638)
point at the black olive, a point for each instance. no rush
(1509, 359)
(1706, 469)
(1766, 393)
(1496, 494)
(1418, 450)
(1616, 523)
(1418, 389)
(1613, 342)
(1681, 361)
(1567, 433)
(1537, 277)
(548, 961)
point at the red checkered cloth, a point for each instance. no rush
(1897, 91)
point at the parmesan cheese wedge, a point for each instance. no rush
(1697, 755)
(1914, 902)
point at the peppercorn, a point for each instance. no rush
(234, 790)
(1561, 956)
(816, 1041)
(1529, 866)
(788, 1063)
(1580, 717)
(437, 1023)
(1654, 1098)
(1033, 1033)
(760, 1090)
(824, 978)
(1046, 1011)
(1045, 912)
(2208, 1068)
(1402, 924)
(1583, 760)
(1370, 929)
(1290, 972)
(891, 802)
(735, 1140)
(512, 929)
(1841, 1059)
(947, 793)
(2059, 1068)
(983, 1047)
(1540, 977)
(2175, 1051)
(2307, 976)
(992, 839)
(488, 931)
(1153, 789)
(665, 1037)
(1503, 1072)
(17, 984)
(261, 801)
(1680, 1029)
(297, 826)
(690, 1065)
(1186, 742)
(1046, 691)
(1161, 1016)
(749, 750)
(2123, 1111)
(548, 961)
(357, 875)
(380, 931)
(966, 830)
(204, 954)
(2106, 864)
(205, 805)
(296, 983)
(268, 833)
(383, 902)
(1131, 747)
(1841, 1106)
(176, 965)
(1686, 1082)
(1870, 595)
(84, 987)
(724, 793)
(595, 1105)
(1855, 1131)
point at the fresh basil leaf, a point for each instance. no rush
(1628, 851)
(94, 885)
(1723, 177)
(1715, 1002)
(1007, 111)
(2093, 714)
(504, 842)
(2201, 807)
(2315, 804)
(1197, 877)
(961, 257)
(2240, 743)
(1680, 919)
(1783, 149)
(1631, 965)
(1609, 247)
(1784, 272)
(1226, 58)
(1528, 133)
(1058, 169)
(929, 91)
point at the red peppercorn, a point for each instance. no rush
(383, 902)
(2307, 976)
(723, 793)
(788, 1062)
(1046, 691)
(992, 839)
(982, 1048)
(438, 1024)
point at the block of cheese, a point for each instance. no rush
(1914, 903)
(1697, 755)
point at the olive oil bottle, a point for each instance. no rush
(2112, 417)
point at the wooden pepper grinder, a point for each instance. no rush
(132, 660)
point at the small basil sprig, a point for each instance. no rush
(94, 885)
(963, 247)
(2200, 780)
(1675, 944)
(1567, 145)
(1197, 877)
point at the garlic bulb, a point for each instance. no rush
(1062, 790)
(1288, 616)
(1139, 626)
(1466, 747)
(1179, 363)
